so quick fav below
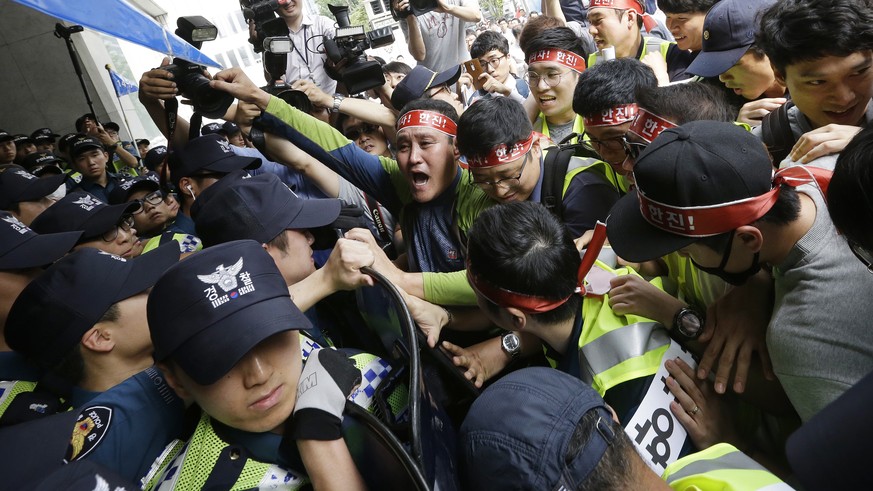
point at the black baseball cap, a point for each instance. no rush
(211, 128)
(418, 81)
(44, 134)
(82, 143)
(36, 162)
(83, 212)
(64, 141)
(517, 433)
(728, 31)
(154, 157)
(17, 185)
(5, 136)
(208, 153)
(230, 128)
(148, 181)
(697, 164)
(52, 313)
(208, 311)
(21, 247)
(830, 450)
(22, 139)
(112, 126)
(260, 208)
(143, 141)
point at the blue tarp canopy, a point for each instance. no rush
(134, 26)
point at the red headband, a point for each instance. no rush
(649, 125)
(634, 5)
(612, 116)
(619, 4)
(709, 220)
(427, 119)
(531, 304)
(502, 154)
(567, 58)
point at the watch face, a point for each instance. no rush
(690, 324)
(511, 342)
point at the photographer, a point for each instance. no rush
(443, 30)
(306, 60)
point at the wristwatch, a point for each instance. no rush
(510, 344)
(337, 100)
(688, 323)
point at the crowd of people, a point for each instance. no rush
(637, 247)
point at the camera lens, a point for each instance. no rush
(207, 101)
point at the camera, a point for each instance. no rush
(189, 76)
(416, 7)
(345, 52)
(268, 27)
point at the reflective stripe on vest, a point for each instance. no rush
(187, 242)
(721, 467)
(191, 468)
(11, 388)
(581, 164)
(622, 354)
(653, 45)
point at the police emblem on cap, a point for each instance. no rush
(91, 427)
(225, 146)
(16, 225)
(113, 256)
(706, 34)
(126, 185)
(88, 202)
(25, 174)
(226, 279)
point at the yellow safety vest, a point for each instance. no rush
(578, 127)
(187, 242)
(581, 164)
(652, 45)
(721, 467)
(687, 283)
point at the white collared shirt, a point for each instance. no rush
(306, 60)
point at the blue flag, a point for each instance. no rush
(122, 85)
(119, 19)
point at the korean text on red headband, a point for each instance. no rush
(567, 58)
(427, 119)
(709, 220)
(612, 116)
(649, 125)
(503, 154)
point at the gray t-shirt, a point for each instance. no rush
(443, 36)
(820, 337)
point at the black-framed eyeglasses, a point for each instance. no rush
(126, 224)
(494, 63)
(506, 182)
(552, 78)
(154, 199)
(862, 253)
(355, 132)
(631, 149)
(430, 95)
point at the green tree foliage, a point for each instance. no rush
(492, 8)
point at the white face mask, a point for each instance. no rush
(58, 193)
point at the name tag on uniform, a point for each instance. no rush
(658, 435)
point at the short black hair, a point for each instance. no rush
(558, 37)
(615, 469)
(492, 122)
(784, 211)
(489, 41)
(849, 200)
(685, 6)
(681, 103)
(434, 105)
(793, 31)
(396, 67)
(524, 248)
(609, 84)
(534, 27)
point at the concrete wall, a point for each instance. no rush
(38, 85)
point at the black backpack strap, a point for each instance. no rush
(776, 133)
(554, 169)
